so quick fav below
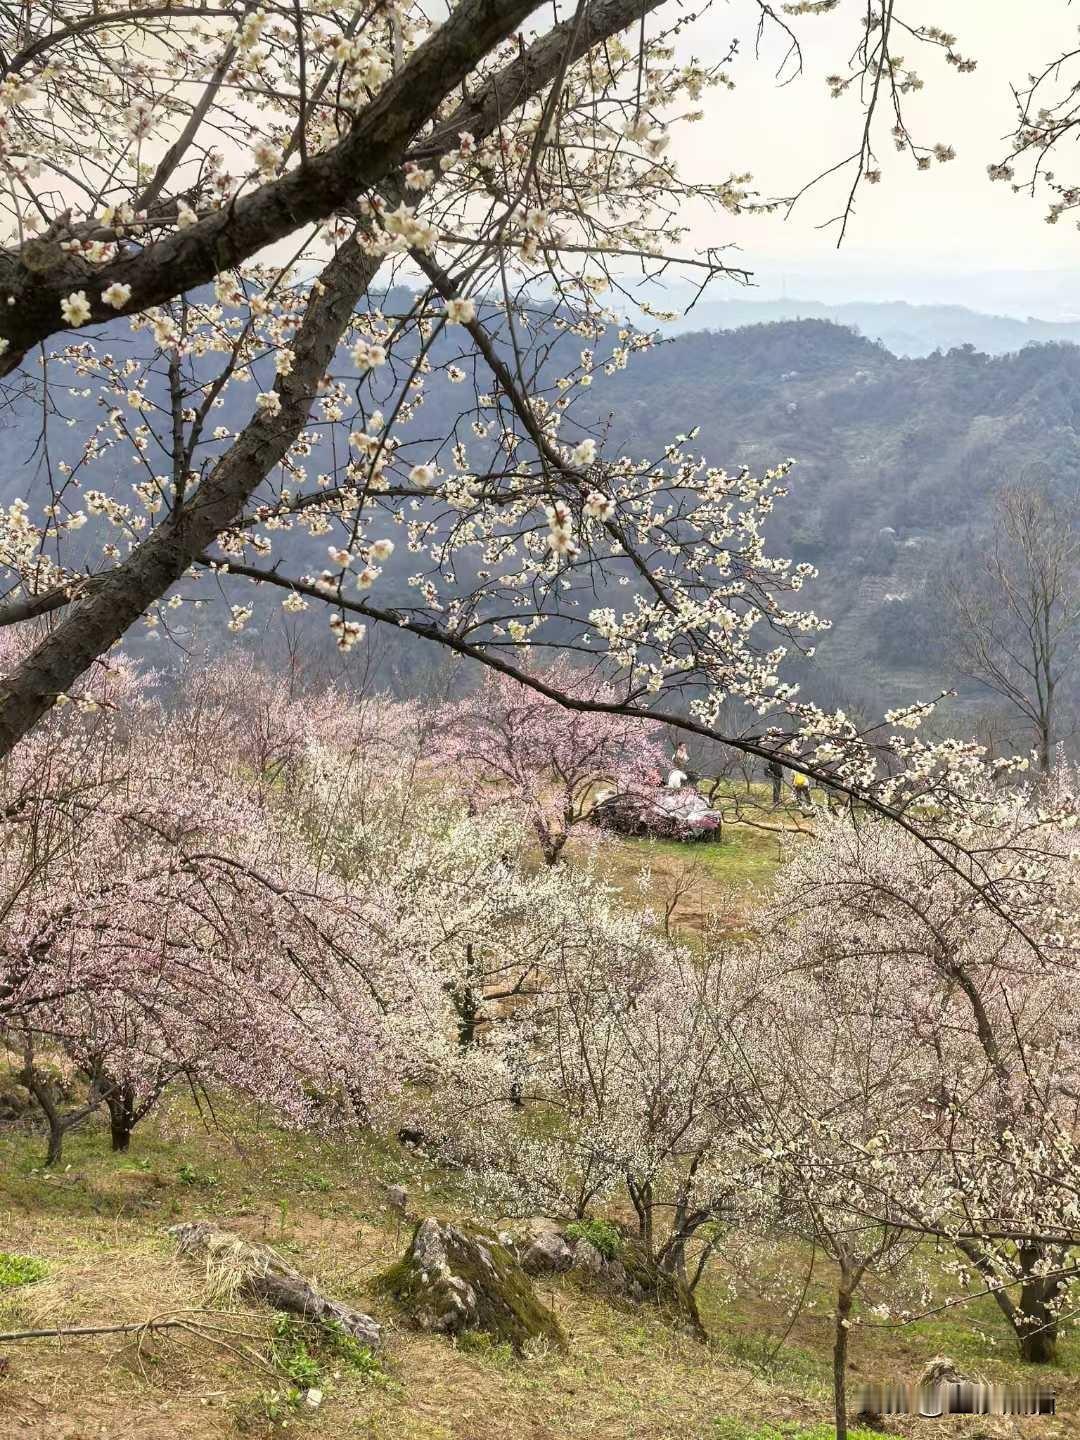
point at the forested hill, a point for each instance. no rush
(897, 461)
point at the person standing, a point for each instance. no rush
(775, 771)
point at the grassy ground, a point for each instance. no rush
(98, 1228)
(710, 882)
(99, 1224)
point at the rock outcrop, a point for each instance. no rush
(259, 1273)
(618, 1263)
(454, 1279)
(543, 1249)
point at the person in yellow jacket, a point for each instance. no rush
(801, 785)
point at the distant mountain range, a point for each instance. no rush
(903, 328)
(898, 459)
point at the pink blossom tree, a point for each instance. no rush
(508, 744)
(310, 933)
(164, 916)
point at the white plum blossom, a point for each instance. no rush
(417, 178)
(347, 633)
(267, 157)
(76, 308)
(460, 311)
(139, 119)
(368, 356)
(251, 30)
(117, 295)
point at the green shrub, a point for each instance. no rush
(301, 1351)
(291, 1354)
(600, 1234)
(20, 1270)
(336, 1341)
(269, 1412)
(188, 1175)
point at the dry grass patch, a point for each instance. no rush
(100, 1228)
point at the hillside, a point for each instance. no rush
(898, 459)
(98, 1228)
(903, 328)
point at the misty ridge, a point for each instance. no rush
(901, 326)
(898, 458)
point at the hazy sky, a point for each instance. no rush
(948, 233)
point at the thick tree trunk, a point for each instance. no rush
(95, 623)
(467, 1001)
(1038, 1344)
(372, 152)
(551, 842)
(57, 1122)
(1037, 1328)
(467, 1007)
(1031, 1314)
(1046, 747)
(684, 1226)
(371, 149)
(641, 1197)
(39, 1089)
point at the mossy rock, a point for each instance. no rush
(609, 1257)
(453, 1280)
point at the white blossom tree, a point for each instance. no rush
(982, 1010)
(156, 150)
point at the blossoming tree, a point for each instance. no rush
(164, 917)
(154, 151)
(984, 1012)
(308, 933)
(510, 744)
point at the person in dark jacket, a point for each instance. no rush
(775, 772)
